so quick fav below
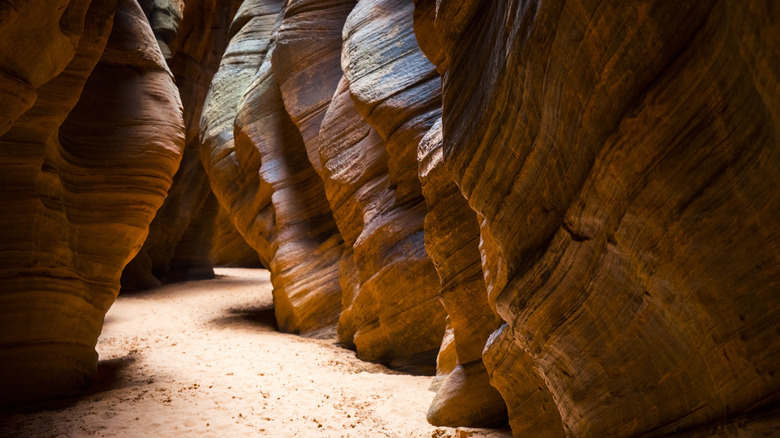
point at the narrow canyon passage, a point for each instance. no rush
(204, 359)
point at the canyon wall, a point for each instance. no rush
(84, 170)
(624, 162)
(262, 177)
(281, 144)
(193, 36)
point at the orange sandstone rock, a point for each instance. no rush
(625, 164)
(395, 90)
(179, 242)
(288, 221)
(465, 397)
(84, 171)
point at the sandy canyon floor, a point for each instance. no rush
(204, 359)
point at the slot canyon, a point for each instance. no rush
(390, 218)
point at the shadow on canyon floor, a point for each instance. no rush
(253, 318)
(112, 374)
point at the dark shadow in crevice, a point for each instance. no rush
(195, 286)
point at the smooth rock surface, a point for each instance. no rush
(307, 64)
(36, 44)
(184, 224)
(466, 397)
(228, 247)
(289, 221)
(233, 177)
(84, 171)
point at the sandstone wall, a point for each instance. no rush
(83, 172)
(264, 160)
(228, 247)
(179, 243)
(624, 160)
(394, 89)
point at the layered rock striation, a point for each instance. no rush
(228, 247)
(624, 161)
(395, 90)
(572, 204)
(83, 172)
(179, 243)
(265, 160)
(465, 397)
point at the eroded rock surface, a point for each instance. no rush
(228, 247)
(584, 193)
(165, 17)
(395, 89)
(179, 246)
(83, 172)
(624, 160)
(289, 221)
(466, 397)
(354, 171)
(233, 175)
(307, 64)
(36, 44)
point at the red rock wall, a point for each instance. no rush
(585, 194)
(37, 44)
(232, 172)
(179, 243)
(83, 171)
(395, 89)
(228, 247)
(466, 397)
(625, 162)
(288, 220)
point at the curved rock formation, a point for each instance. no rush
(395, 89)
(288, 221)
(165, 17)
(194, 56)
(84, 171)
(464, 397)
(625, 162)
(307, 64)
(228, 248)
(36, 44)
(452, 240)
(530, 405)
(354, 170)
(233, 176)
(591, 190)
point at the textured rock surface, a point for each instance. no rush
(395, 89)
(307, 64)
(532, 410)
(165, 17)
(82, 180)
(354, 159)
(466, 397)
(625, 161)
(354, 169)
(228, 247)
(36, 44)
(591, 190)
(195, 53)
(288, 221)
(234, 175)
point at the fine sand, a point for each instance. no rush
(204, 359)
